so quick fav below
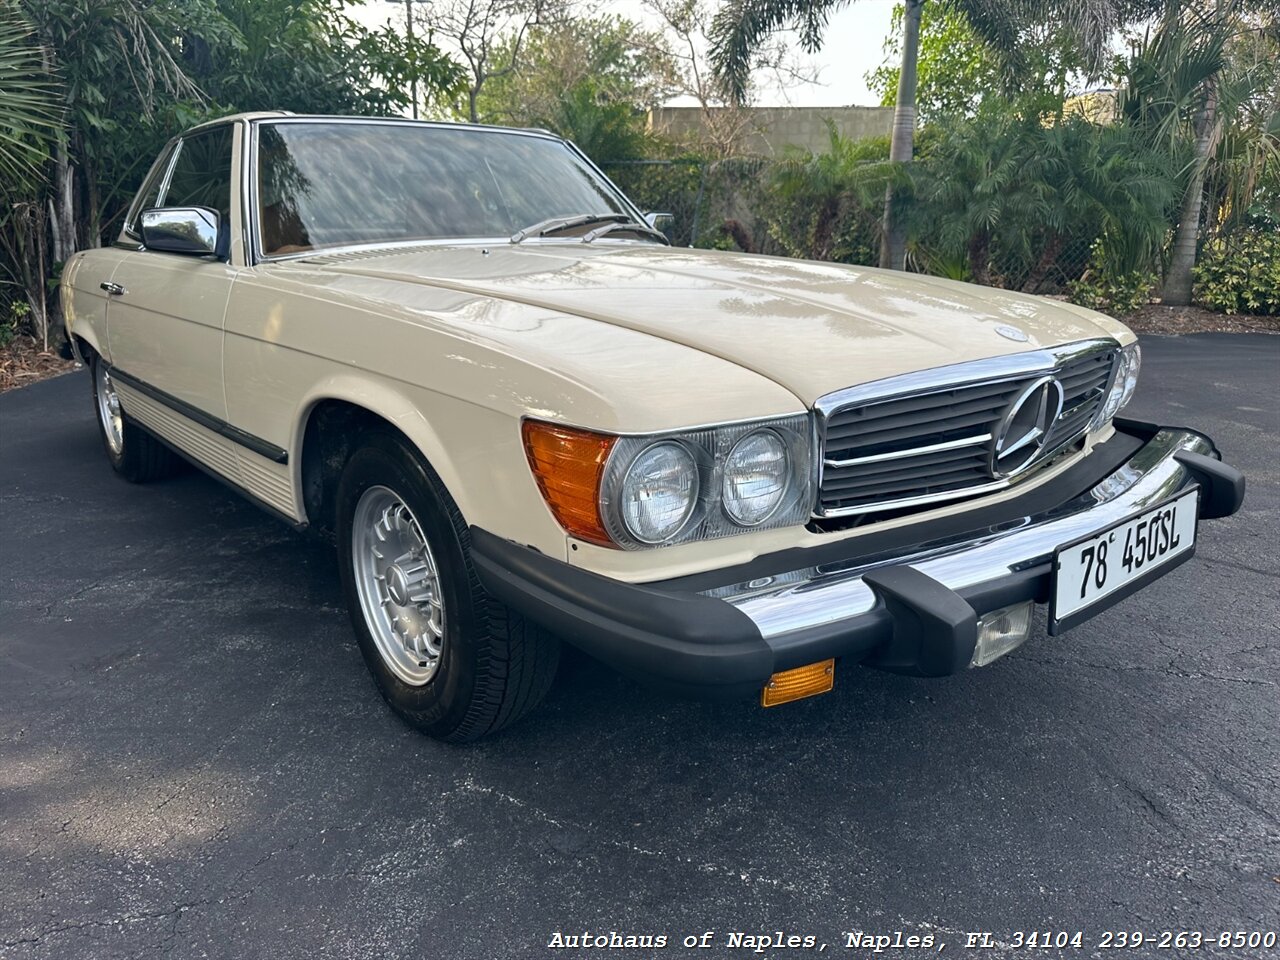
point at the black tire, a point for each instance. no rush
(494, 666)
(141, 457)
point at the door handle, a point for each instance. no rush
(113, 289)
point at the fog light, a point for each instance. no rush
(1002, 631)
(801, 682)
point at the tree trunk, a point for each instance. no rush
(1177, 281)
(824, 230)
(64, 203)
(471, 104)
(980, 258)
(93, 206)
(893, 233)
(740, 235)
(1047, 257)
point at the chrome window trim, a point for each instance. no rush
(163, 194)
(254, 252)
(375, 247)
(246, 243)
(163, 165)
(992, 370)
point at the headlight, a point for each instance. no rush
(704, 483)
(756, 474)
(659, 492)
(1122, 387)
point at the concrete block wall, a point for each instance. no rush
(774, 128)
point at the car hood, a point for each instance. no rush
(811, 327)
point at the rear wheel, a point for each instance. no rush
(134, 454)
(448, 658)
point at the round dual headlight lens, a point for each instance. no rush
(756, 474)
(1134, 353)
(1126, 382)
(659, 492)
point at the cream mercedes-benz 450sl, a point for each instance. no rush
(526, 418)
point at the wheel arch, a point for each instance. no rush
(328, 432)
(85, 343)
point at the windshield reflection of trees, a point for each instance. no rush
(330, 184)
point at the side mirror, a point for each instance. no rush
(189, 230)
(664, 223)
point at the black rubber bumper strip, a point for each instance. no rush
(685, 642)
(700, 646)
(935, 629)
(1221, 486)
(669, 634)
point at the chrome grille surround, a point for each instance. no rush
(926, 437)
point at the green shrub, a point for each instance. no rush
(9, 326)
(1242, 277)
(1119, 295)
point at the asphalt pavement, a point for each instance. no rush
(194, 762)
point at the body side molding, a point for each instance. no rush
(247, 440)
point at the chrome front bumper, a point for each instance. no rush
(907, 599)
(795, 603)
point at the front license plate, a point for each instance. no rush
(1104, 568)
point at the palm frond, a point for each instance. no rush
(741, 26)
(30, 117)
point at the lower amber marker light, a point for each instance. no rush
(806, 681)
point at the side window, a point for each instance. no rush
(149, 195)
(202, 175)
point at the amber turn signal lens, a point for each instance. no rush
(799, 683)
(568, 464)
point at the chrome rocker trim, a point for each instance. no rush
(795, 603)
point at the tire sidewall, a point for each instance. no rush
(440, 705)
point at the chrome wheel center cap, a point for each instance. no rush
(397, 585)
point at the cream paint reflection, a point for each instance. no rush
(274, 324)
(809, 337)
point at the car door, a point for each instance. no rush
(167, 310)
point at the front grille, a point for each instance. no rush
(916, 440)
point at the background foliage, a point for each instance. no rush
(1019, 179)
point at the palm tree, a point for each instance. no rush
(1104, 183)
(1186, 90)
(828, 187)
(29, 116)
(986, 181)
(742, 26)
(30, 125)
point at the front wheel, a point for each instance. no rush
(134, 454)
(448, 658)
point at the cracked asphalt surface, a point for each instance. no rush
(193, 761)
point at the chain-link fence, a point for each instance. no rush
(714, 204)
(735, 204)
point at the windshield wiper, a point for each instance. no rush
(554, 224)
(630, 226)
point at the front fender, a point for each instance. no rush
(477, 453)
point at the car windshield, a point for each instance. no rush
(325, 184)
